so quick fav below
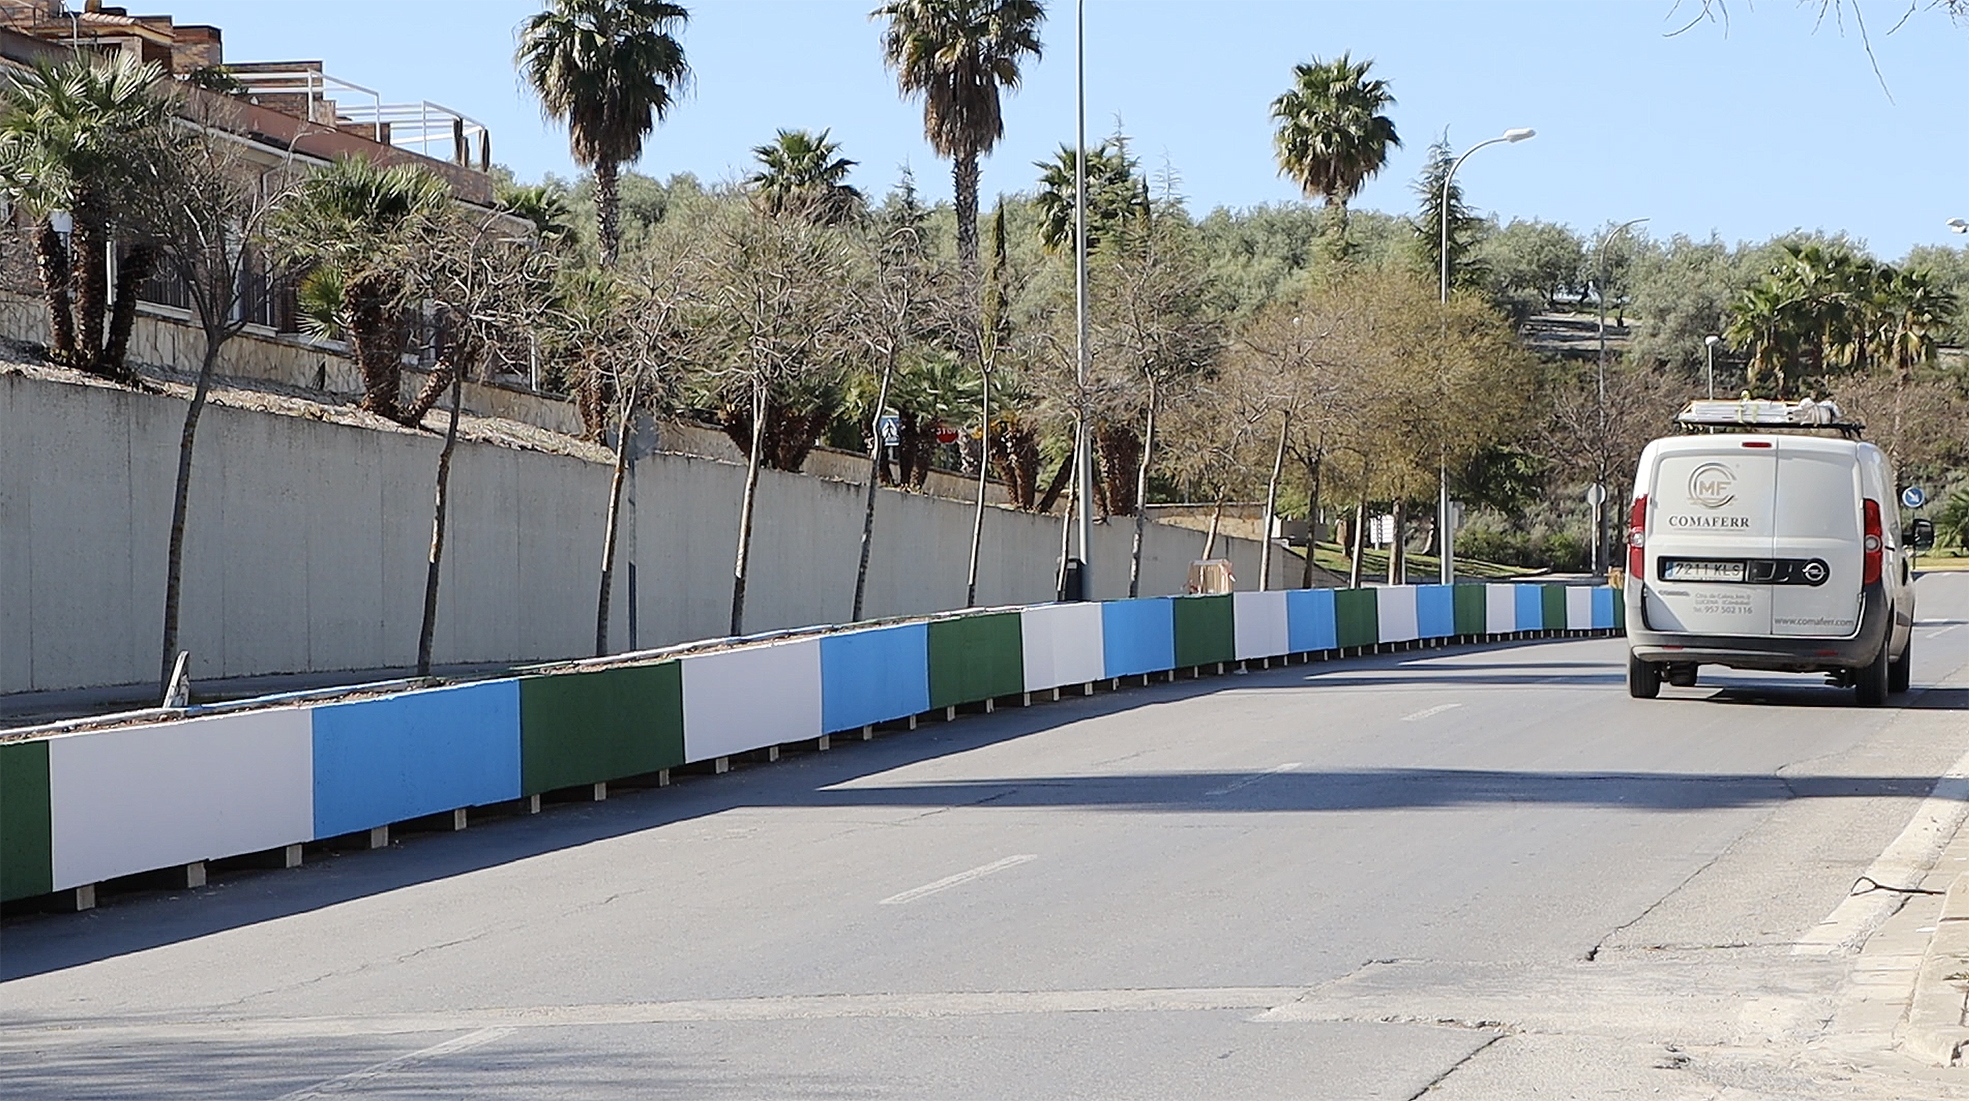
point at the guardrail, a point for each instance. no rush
(78, 807)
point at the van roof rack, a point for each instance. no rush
(1763, 415)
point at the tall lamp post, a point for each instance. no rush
(1600, 460)
(1709, 362)
(1083, 465)
(1447, 573)
(1958, 225)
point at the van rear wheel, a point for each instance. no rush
(1870, 682)
(1900, 672)
(1643, 678)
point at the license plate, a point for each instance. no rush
(1701, 571)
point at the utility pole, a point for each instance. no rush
(1446, 542)
(1082, 433)
(1600, 445)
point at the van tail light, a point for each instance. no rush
(1637, 539)
(1872, 539)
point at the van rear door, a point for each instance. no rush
(1816, 544)
(1711, 505)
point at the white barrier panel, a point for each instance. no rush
(1500, 609)
(1394, 606)
(147, 797)
(1579, 608)
(1258, 621)
(751, 698)
(1062, 644)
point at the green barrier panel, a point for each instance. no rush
(1472, 609)
(1206, 630)
(1620, 609)
(976, 657)
(27, 865)
(1553, 600)
(1357, 615)
(586, 728)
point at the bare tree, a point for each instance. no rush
(213, 194)
(780, 303)
(485, 280)
(906, 301)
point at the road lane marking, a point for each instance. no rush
(1943, 631)
(1246, 781)
(1436, 710)
(950, 881)
(358, 1079)
(498, 1021)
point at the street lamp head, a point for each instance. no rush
(1520, 134)
(1958, 225)
(1712, 340)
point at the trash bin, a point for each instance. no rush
(1074, 586)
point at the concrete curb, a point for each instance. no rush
(1933, 1029)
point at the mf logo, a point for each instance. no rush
(1713, 485)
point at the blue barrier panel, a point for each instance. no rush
(1529, 602)
(1309, 622)
(1603, 600)
(1138, 636)
(382, 761)
(1435, 611)
(869, 677)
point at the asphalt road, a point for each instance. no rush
(1476, 873)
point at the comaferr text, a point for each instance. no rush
(1709, 521)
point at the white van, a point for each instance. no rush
(1767, 537)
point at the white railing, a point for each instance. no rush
(411, 126)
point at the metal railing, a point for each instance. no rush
(409, 126)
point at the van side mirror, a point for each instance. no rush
(1921, 533)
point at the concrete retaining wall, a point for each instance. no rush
(307, 545)
(78, 808)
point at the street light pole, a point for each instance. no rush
(1709, 362)
(1958, 225)
(1600, 459)
(1082, 449)
(1446, 572)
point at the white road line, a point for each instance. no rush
(358, 1079)
(495, 1022)
(1428, 711)
(1943, 631)
(950, 881)
(1246, 781)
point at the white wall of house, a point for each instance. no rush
(307, 545)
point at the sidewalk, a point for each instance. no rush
(1907, 996)
(1901, 997)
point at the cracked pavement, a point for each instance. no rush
(1317, 881)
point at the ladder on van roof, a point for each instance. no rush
(1764, 415)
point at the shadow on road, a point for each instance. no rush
(41, 943)
(1809, 693)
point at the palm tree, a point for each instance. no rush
(1115, 193)
(802, 173)
(957, 55)
(83, 137)
(1917, 308)
(1760, 322)
(370, 229)
(610, 70)
(1332, 136)
(544, 205)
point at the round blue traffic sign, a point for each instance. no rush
(1914, 497)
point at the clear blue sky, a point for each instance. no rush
(1750, 131)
